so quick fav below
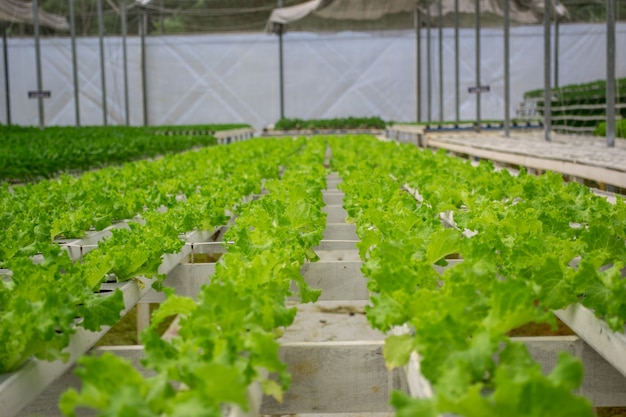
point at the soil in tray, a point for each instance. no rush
(125, 331)
(204, 258)
(542, 329)
(611, 412)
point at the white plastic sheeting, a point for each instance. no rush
(234, 78)
(582, 58)
(57, 78)
(190, 79)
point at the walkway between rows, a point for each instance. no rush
(580, 157)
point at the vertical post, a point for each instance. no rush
(418, 63)
(556, 50)
(102, 73)
(507, 71)
(610, 73)
(161, 20)
(440, 34)
(125, 59)
(547, 92)
(74, 64)
(429, 77)
(5, 54)
(477, 21)
(38, 63)
(281, 75)
(144, 83)
(143, 317)
(457, 86)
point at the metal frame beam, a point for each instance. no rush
(477, 21)
(610, 73)
(125, 59)
(38, 64)
(74, 64)
(5, 55)
(547, 73)
(102, 67)
(507, 71)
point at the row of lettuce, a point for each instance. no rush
(373, 122)
(156, 202)
(29, 153)
(227, 338)
(528, 244)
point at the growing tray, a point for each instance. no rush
(19, 388)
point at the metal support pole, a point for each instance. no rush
(478, 121)
(547, 96)
(125, 59)
(144, 83)
(161, 20)
(102, 73)
(74, 64)
(507, 71)
(5, 54)
(418, 64)
(429, 77)
(457, 83)
(556, 51)
(610, 73)
(440, 34)
(281, 74)
(38, 63)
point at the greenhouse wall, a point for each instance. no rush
(235, 78)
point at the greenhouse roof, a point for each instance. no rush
(22, 12)
(237, 16)
(521, 11)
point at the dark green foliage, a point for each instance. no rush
(586, 91)
(28, 153)
(581, 102)
(620, 129)
(337, 123)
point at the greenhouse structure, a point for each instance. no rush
(313, 207)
